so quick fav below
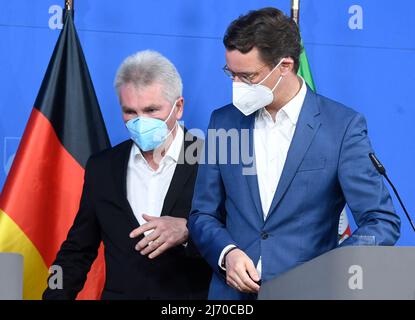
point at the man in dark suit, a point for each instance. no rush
(137, 197)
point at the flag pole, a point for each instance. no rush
(295, 11)
(68, 9)
(69, 5)
(304, 68)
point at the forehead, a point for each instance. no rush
(132, 97)
(243, 62)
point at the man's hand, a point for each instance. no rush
(167, 232)
(240, 272)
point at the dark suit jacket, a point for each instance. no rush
(105, 214)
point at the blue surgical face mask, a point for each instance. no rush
(149, 133)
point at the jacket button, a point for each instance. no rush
(264, 235)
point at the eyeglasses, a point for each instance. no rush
(246, 77)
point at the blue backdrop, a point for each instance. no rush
(361, 52)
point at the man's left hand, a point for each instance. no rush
(167, 232)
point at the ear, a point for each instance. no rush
(179, 108)
(287, 66)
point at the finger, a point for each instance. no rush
(141, 229)
(147, 240)
(151, 246)
(233, 284)
(252, 272)
(149, 218)
(248, 284)
(237, 280)
(159, 250)
(233, 280)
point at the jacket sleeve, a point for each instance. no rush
(207, 220)
(80, 248)
(364, 190)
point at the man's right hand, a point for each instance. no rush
(240, 272)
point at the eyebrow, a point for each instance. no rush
(126, 108)
(145, 109)
(151, 106)
(243, 72)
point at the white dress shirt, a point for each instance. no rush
(271, 143)
(147, 188)
(272, 139)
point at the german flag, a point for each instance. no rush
(41, 195)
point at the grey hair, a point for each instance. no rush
(147, 67)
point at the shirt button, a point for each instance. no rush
(264, 235)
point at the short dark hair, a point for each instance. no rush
(269, 30)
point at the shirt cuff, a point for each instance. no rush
(226, 249)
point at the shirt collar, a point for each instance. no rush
(292, 109)
(176, 146)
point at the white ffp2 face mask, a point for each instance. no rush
(249, 98)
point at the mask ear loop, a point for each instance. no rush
(277, 83)
(176, 123)
(279, 63)
(171, 111)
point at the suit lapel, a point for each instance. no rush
(180, 176)
(119, 169)
(307, 126)
(248, 123)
